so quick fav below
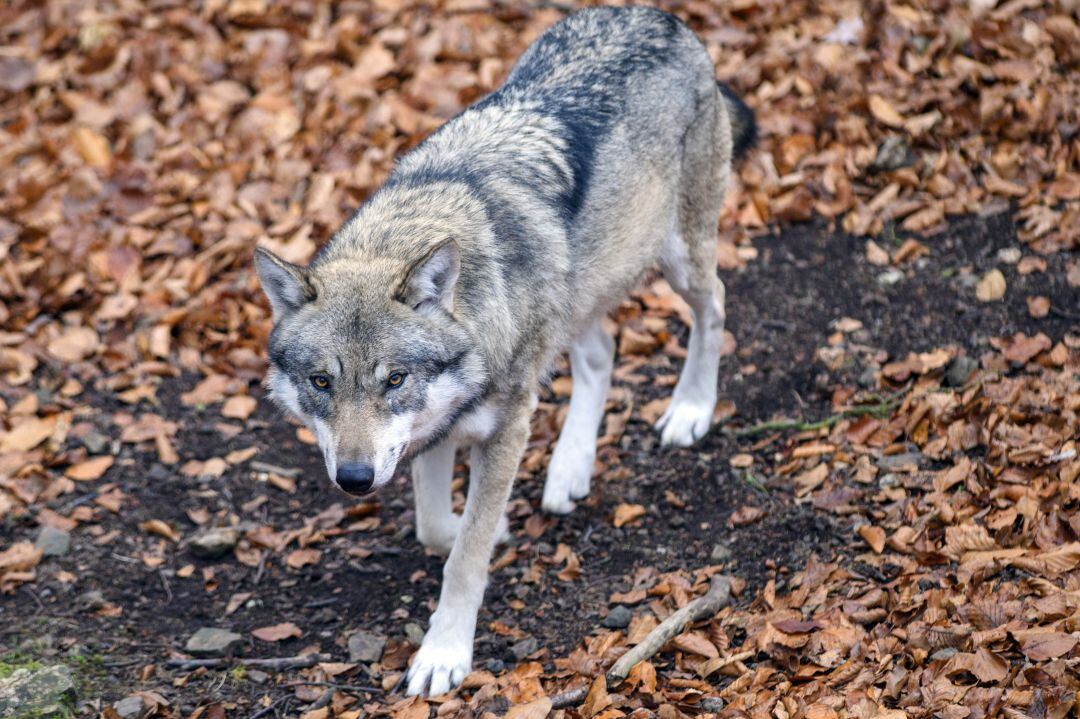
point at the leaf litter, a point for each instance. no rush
(147, 149)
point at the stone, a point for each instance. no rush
(524, 648)
(618, 618)
(892, 462)
(892, 154)
(213, 642)
(214, 543)
(41, 693)
(366, 646)
(53, 542)
(959, 370)
(96, 442)
(132, 707)
(711, 704)
(720, 554)
(91, 600)
(414, 633)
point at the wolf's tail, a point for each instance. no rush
(743, 125)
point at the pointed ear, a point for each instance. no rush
(286, 285)
(430, 282)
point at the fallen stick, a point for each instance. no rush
(718, 596)
(273, 664)
(875, 410)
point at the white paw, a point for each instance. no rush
(439, 536)
(685, 422)
(440, 665)
(569, 477)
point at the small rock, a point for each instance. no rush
(132, 707)
(711, 704)
(959, 371)
(366, 646)
(892, 154)
(214, 543)
(213, 642)
(53, 542)
(896, 461)
(96, 442)
(414, 633)
(524, 648)
(496, 666)
(94, 599)
(720, 553)
(618, 618)
(257, 676)
(1009, 255)
(44, 692)
(888, 278)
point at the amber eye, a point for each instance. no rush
(395, 379)
(320, 382)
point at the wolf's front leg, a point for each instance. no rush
(445, 656)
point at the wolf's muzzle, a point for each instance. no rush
(356, 478)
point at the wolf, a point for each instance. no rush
(431, 317)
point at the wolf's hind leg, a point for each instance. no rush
(689, 415)
(570, 471)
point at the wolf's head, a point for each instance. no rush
(370, 356)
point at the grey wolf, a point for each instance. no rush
(428, 321)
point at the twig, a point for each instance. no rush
(718, 596)
(877, 410)
(273, 664)
(354, 688)
(266, 710)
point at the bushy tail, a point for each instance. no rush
(743, 125)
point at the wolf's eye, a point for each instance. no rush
(395, 379)
(320, 382)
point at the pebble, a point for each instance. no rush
(524, 648)
(618, 618)
(53, 542)
(414, 633)
(214, 543)
(720, 553)
(959, 370)
(366, 646)
(213, 642)
(132, 707)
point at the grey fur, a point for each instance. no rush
(498, 242)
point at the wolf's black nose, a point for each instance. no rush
(356, 478)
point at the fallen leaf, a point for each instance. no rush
(627, 513)
(991, 287)
(90, 469)
(277, 632)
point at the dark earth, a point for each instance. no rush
(780, 308)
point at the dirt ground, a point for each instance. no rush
(781, 309)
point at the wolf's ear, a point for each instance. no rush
(430, 282)
(286, 285)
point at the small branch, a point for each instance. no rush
(273, 664)
(354, 688)
(718, 596)
(266, 710)
(881, 409)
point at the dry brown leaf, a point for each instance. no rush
(627, 513)
(160, 528)
(277, 632)
(90, 469)
(991, 287)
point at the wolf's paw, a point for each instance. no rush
(569, 477)
(439, 536)
(440, 665)
(685, 422)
